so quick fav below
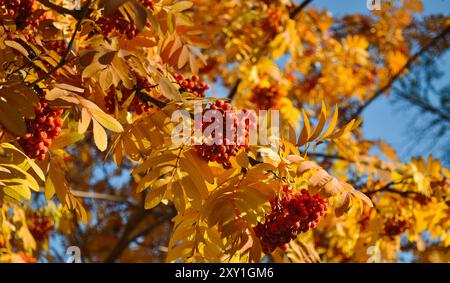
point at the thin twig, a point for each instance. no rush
(62, 61)
(100, 196)
(147, 98)
(64, 11)
(127, 236)
(300, 8)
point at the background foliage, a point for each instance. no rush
(86, 157)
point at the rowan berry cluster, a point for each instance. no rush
(136, 105)
(229, 146)
(39, 226)
(41, 130)
(119, 24)
(266, 97)
(395, 226)
(273, 24)
(193, 85)
(295, 213)
(20, 10)
(59, 46)
(422, 199)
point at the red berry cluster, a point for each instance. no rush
(296, 212)
(267, 97)
(395, 226)
(273, 23)
(59, 46)
(41, 130)
(222, 153)
(118, 23)
(193, 85)
(423, 200)
(21, 11)
(39, 226)
(137, 105)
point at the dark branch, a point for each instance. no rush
(233, 90)
(64, 11)
(387, 188)
(425, 106)
(147, 98)
(300, 8)
(128, 237)
(407, 65)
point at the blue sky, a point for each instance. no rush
(383, 120)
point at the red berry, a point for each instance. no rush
(295, 213)
(192, 85)
(118, 24)
(39, 226)
(224, 151)
(394, 226)
(266, 97)
(41, 130)
(137, 105)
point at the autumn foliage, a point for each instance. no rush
(88, 94)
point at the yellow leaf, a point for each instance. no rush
(148, 180)
(11, 119)
(16, 46)
(320, 124)
(332, 124)
(342, 204)
(154, 197)
(347, 128)
(181, 6)
(200, 165)
(306, 131)
(49, 190)
(85, 121)
(106, 120)
(17, 192)
(178, 197)
(363, 197)
(66, 139)
(199, 183)
(70, 88)
(168, 89)
(184, 57)
(100, 137)
(154, 161)
(193, 64)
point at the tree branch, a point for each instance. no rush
(63, 59)
(387, 188)
(425, 106)
(300, 8)
(100, 196)
(133, 221)
(64, 11)
(407, 65)
(147, 98)
(127, 236)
